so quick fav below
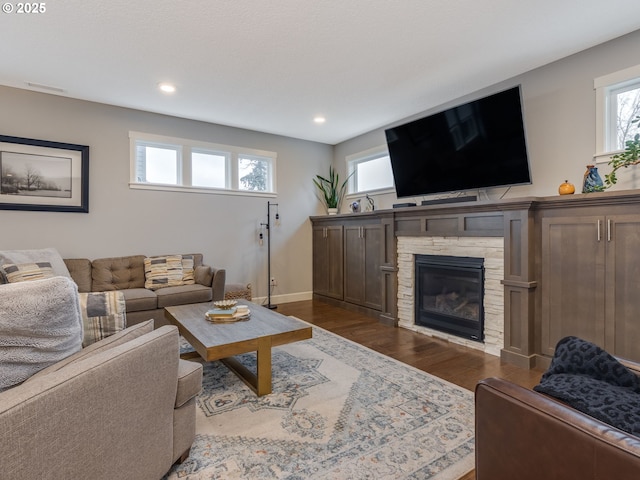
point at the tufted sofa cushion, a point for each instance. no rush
(118, 273)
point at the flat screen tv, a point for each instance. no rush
(476, 145)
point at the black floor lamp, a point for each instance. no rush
(268, 227)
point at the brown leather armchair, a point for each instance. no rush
(525, 435)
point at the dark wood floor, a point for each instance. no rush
(456, 364)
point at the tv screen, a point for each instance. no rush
(477, 145)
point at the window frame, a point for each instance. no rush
(353, 160)
(606, 87)
(186, 147)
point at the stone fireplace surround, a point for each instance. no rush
(489, 248)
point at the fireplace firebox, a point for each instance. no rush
(449, 294)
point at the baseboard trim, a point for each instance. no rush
(284, 298)
(526, 362)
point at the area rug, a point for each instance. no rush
(338, 411)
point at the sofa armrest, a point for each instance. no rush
(217, 284)
(631, 365)
(526, 435)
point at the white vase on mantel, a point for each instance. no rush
(332, 211)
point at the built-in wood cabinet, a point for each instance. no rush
(354, 263)
(590, 278)
(571, 265)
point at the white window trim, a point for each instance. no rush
(363, 157)
(601, 86)
(187, 146)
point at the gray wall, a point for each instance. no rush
(559, 109)
(124, 221)
(559, 105)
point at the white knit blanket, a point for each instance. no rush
(40, 324)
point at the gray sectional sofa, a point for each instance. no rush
(121, 408)
(127, 274)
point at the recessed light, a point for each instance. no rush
(319, 119)
(167, 87)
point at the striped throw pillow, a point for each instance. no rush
(103, 314)
(161, 272)
(23, 272)
(188, 270)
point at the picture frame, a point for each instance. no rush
(45, 176)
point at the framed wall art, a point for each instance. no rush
(43, 176)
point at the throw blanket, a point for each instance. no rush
(40, 324)
(590, 380)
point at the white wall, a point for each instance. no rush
(124, 221)
(559, 110)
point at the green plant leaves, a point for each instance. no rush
(627, 158)
(331, 192)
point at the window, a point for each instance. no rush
(370, 170)
(255, 173)
(618, 103)
(163, 163)
(209, 169)
(624, 106)
(157, 163)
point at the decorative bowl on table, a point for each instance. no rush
(225, 304)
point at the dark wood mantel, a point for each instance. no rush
(543, 238)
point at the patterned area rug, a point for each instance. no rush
(338, 411)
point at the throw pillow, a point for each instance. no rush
(203, 275)
(103, 314)
(50, 255)
(188, 270)
(160, 272)
(23, 272)
(40, 324)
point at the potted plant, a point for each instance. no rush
(331, 191)
(627, 158)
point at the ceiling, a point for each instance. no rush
(272, 65)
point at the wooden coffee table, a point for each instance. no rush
(221, 341)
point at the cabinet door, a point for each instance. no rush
(373, 237)
(320, 265)
(353, 264)
(623, 285)
(572, 279)
(363, 254)
(328, 261)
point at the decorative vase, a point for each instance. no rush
(332, 211)
(592, 181)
